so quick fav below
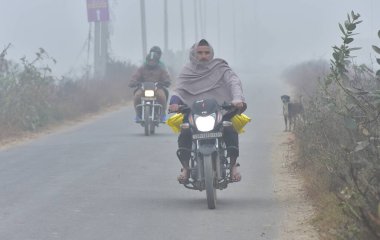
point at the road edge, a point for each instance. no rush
(289, 189)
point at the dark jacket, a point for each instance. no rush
(151, 74)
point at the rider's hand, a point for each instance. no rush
(238, 105)
(173, 107)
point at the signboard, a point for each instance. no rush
(97, 11)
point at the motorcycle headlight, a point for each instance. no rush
(205, 124)
(149, 93)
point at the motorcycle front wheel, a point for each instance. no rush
(152, 127)
(147, 120)
(209, 174)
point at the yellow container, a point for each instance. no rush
(239, 121)
(175, 122)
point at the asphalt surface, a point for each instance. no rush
(103, 179)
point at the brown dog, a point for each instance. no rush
(291, 111)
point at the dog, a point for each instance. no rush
(291, 111)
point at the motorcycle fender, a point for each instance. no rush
(207, 149)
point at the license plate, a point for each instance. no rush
(207, 135)
(148, 98)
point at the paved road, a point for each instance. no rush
(105, 180)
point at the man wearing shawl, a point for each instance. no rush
(206, 77)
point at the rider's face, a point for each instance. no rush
(203, 53)
(152, 62)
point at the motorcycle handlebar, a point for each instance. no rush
(157, 84)
(135, 85)
(162, 84)
(181, 109)
(228, 106)
(185, 108)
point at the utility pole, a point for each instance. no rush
(182, 27)
(143, 29)
(104, 37)
(201, 18)
(166, 27)
(100, 49)
(196, 20)
(97, 12)
(204, 18)
(218, 23)
(97, 48)
(234, 29)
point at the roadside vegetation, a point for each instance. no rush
(338, 140)
(31, 98)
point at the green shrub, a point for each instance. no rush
(340, 138)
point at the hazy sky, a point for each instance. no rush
(268, 33)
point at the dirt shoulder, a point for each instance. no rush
(291, 194)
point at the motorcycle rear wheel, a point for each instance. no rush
(209, 174)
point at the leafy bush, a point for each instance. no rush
(340, 138)
(31, 97)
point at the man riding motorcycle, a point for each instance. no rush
(206, 77)
(151, 71)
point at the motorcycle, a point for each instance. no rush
(150, 110)
(209, 167)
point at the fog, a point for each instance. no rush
(268, 34)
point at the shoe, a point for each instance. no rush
(138, 119)
(235, 175)
(183, 178)
(163, 118)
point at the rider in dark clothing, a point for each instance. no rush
(151, 71)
